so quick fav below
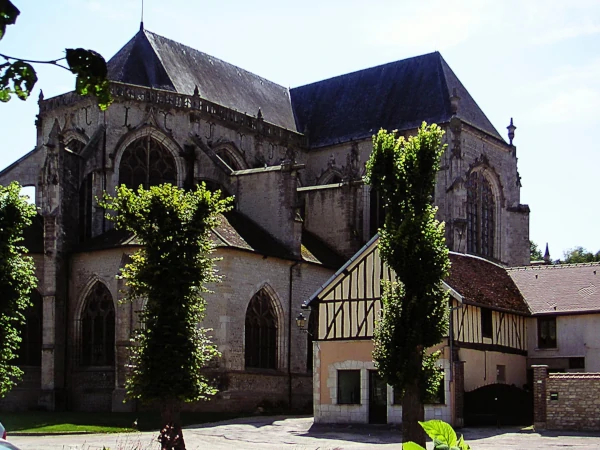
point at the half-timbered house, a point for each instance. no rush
(486, 343)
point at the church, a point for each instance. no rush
(294, 159)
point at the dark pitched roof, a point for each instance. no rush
(484, 283)
(562, 288)
(154, 61)
(399, 95)
(234, 231)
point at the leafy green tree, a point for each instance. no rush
(535, 252)
(415, 309)
(17, 280)
(18, 76)
(580, 255)
(170, 272)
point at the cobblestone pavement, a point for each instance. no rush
(299, 433)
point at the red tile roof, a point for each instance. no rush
(484, 283)
(561, 288)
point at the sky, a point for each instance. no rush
(537, 61)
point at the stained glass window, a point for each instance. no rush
(30, 351)
(261, 332)
(481, 210)
(98, 328)
(148, 163)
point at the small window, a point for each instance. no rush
(577, 363)
(500, 374)
(546, 332)
(348, 387)
(487, 325)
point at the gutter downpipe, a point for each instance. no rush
(289, 352)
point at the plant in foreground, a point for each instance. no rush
(443, 436)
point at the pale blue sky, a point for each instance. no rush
(535, 60)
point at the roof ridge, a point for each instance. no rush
(554, 266)
(157, 53)
(370, 68)
(216, 59)
(468, 255)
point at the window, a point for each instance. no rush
(546, 332)
(376, 213)
(348, 388)
(487, 325)
(500, 373)
(98, 328)
(261, 332)
(86, 198)
(481, 210)
(577, 363)
(146, 162)
(30, 351)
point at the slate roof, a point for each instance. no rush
(484, 283)
(399, 95)
(561, 288)
(154, 61)
(234, 231)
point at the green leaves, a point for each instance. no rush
(442, 435)
(90, 68)
(8, 15)
(17, 279)
(16, 78)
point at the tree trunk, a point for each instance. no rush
(412, 408)
(171, 434)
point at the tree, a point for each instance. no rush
(580, 255)
(170, 272)
(535, 252)
(18, 76)
(17, 280)
(415, 309)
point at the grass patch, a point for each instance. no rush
(70, 422)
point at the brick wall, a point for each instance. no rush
(566, 401)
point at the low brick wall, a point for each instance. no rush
(573, 401)
(566, 401)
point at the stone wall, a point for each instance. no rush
(566, 401)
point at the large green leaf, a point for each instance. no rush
(8, 15)
(91, 70)
(18, 78)
(441, 432)
(411, 446)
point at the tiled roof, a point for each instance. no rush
(234, 231)
(484, 283)
(154, 61)
(399, 95)
(561, 288)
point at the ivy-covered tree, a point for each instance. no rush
(170, 272)
(17, 280)
(414, 309)
(18, 76)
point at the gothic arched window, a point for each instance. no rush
(30, 351)
(98, 328)
(86, 200)
(481, 209)
(261, 332)
(148, 163)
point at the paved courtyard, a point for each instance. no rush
(299, 433)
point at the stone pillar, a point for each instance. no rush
(459, 393)
(540, 376)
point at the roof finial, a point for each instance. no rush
(511, 131)
(142, 19)
(454, 102)
(547, 255)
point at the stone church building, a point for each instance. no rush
(294, 160)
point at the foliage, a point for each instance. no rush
(170, 272)
(535, 252)
(443, 436)
(17, 279)
(18, 76)
(412, 243)
(580, 255)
